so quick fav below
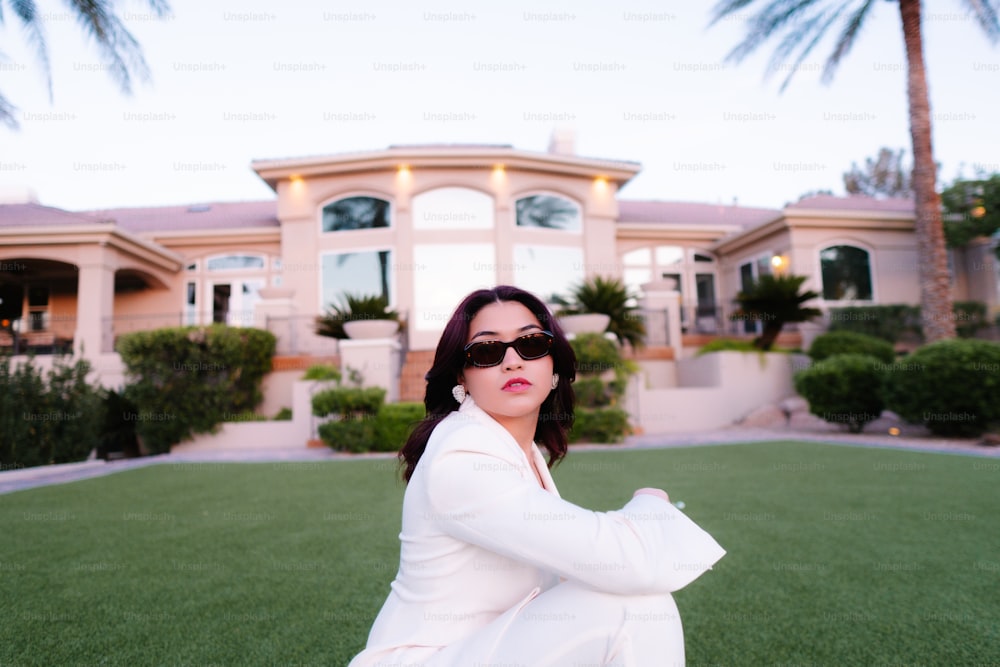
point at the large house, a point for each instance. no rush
(424, 225)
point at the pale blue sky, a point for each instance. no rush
(638, 80)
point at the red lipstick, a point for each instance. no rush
(516, 384)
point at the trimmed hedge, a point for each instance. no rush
(951, 386)
(894, 322)
(603, 425)
(844, 389)
(891, 322)
(848, 342)
(384, 431)
(348, 401)
(184, 380)
(48, 417)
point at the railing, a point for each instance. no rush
(52, 334)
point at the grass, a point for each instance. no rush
(837, 555)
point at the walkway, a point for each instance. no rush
(27, 478)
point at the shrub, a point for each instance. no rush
(970, 317)
(48, 417)
(595, 353)
(384, 431)
(393, 424)
(894, 322)
(848, 342)
(183, 380)
(727, 345)
(592, 392)
(350, 435)
(951, 386)
(605, 425)
(595, 356)
(844, 389)
(348, 401)
(323, 372)
(118, 435)
(283, 415)
(891, 322)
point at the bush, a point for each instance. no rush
(283, 415)
(348, 401)
(183, 380)
(951, 386)
(48, 417)
(844, 389)
(595, 353)
(604, 425)
(727, 345)
(890, 322)
(894, 322)
(385, 431)
(118, 437)
(393, 424)
(592, 392)
(323, 372)
(848, 342)
(970, 317)
(595, 356)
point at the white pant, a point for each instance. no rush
(568, 626)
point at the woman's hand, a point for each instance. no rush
(652, 492)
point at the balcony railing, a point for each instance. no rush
(48, 334)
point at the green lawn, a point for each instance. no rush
(837, 556)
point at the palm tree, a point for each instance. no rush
(804, 22)
(119, 49)
(775, 301)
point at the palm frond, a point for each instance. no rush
(846, 40)
(986, 15)
(27, 12)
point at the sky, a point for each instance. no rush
(636, 80)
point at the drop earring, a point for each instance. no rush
(458, 393)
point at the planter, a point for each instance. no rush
(362, 329)
(585, 323)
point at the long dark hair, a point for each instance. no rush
(555, 417)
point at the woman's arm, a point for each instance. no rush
(648, 546)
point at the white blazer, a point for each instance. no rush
(480, 538)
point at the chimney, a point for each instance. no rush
(563, 141)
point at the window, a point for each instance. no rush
(361, 273)
(846, 273)
(191, 304)
(355, 213)
(548, 270)
(549, 212)
(38, 308)
(442, 275)
(235, 262)
(452, 208)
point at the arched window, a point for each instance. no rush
(549, 212)
(356, 213)
(452, 208)
(847, 273)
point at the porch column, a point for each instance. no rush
(95, 301)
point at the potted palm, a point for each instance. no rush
(609, 300)
(359, 316)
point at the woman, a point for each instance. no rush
(495, 568)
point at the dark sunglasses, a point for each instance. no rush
(484, 354)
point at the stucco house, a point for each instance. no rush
(423, 225)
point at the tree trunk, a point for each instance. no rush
(935, 281)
